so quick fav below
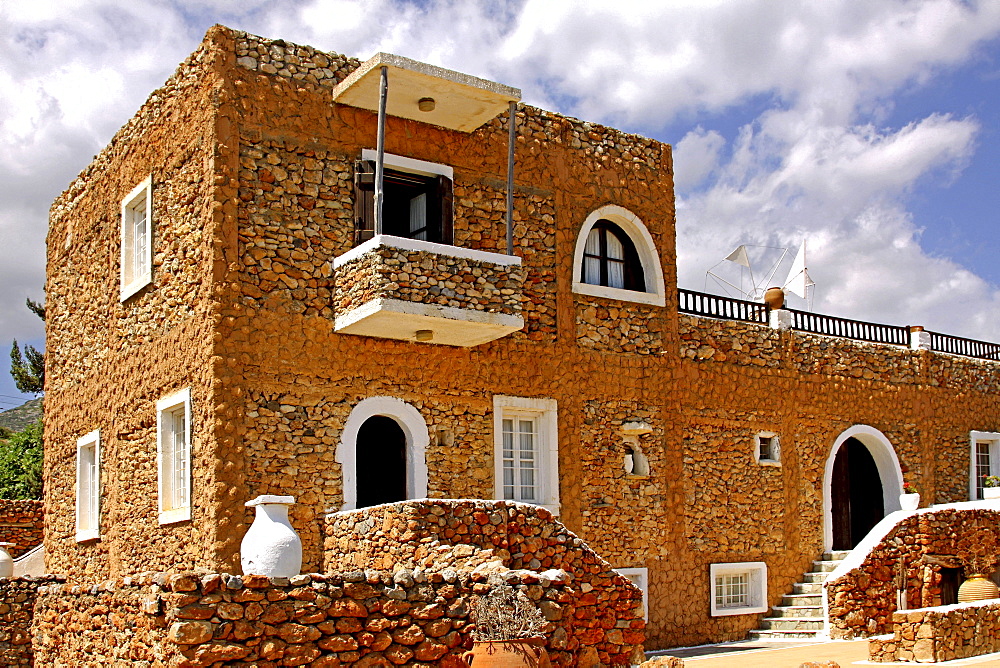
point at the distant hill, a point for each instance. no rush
(18, 418)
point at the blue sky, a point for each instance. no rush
(869, 129)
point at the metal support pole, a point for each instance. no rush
(383, 95)
(511, 138)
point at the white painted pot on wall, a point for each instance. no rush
(6, 561)
(909, 501)
(271, 547)
(991, 492)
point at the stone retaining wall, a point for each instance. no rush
(357, 618)
(21, 523)
(17, 602)
(942, 633)
(863, 600)
(492, 536)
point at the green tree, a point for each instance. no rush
(21, 464)
(28, 370)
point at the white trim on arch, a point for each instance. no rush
(889, 472)
(655, 293)
(414, 427)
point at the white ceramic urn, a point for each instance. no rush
(6, 561)
(271, 547)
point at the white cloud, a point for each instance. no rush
(817, 162)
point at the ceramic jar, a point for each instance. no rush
(775, 298)
(508, 654)
(6, 561)
(271, 547)
(977, 588)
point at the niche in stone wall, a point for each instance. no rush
(636, 463)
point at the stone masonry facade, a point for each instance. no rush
(252, 170)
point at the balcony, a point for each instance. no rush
(411, 290)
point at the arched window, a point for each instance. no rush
(615, 258)
(610, 259)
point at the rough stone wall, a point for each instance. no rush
(423, 277)
(21, 523)
(358, 618)
(943, 633)
(110, 361)
(863, 600)
(492, 536)
(17, 603)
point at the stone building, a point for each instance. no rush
(224, 321)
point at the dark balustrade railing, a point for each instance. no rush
(850, 329)
(726, 308)
(956, 345)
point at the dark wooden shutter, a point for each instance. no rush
(364, 201)
(445, 199)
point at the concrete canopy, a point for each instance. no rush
(461, 102)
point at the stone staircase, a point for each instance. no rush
(800, 614)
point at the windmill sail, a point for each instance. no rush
(798, 276)
(739, 256)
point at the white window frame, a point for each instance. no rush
(630, 224)
(993, 438)
(775, 450)
(165, 410)
(640, 578)
(545, 414)
(757, 573)
(403, 164)
(88, 488)
(134, 278)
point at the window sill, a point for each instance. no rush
(88, 535)
(769, 462)
(651, 298)
(132, 288)
(175, 515)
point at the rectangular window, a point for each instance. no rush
(732, 590)
(88, 487)
(985, 460)
(520, 458)
(738, 588)
(526, 453)
(174, 456)
(768, 448)
(417, 204)
(136, 239)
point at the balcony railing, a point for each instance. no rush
(956, 345)
(727, 308)
(850, 329)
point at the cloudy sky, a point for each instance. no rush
(869, 129)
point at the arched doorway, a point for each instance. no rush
(861, 485)
(383, 459)
(381, 462)
(856, 494)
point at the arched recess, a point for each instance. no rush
(886, 462)
(649, 258)
(417, 439)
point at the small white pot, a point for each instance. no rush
(6, 561)
(271, 547)
(909, 501)
(991, 492)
